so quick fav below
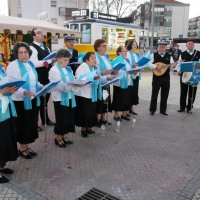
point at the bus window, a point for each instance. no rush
(86, 33)
(74, 27)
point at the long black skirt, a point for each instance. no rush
(85, 112)
(121, 99)
(8, 142)
(134, 92)
(64, 118)
(26, 122)
(104, 106)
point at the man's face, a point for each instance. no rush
(69, 44)
(190, 45)
(161, 48)
(39, 37)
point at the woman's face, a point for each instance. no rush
(23, 54)
(134, 46)
(123, 52)
(102, 48)
(63, 62)
(92, 61)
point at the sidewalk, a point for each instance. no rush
(157, 159)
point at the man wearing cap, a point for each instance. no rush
(39, 52)
(187, 90)
(160, 82)
(69, 44)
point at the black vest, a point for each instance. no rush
(43, 72)
(165, 59)
(185, 56)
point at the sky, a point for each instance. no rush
(194, 7)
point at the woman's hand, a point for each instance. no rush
(8, 90)
(115, 72)
(108, 71)
(96, 77)
(110, 78)
(29, 94)
(135, 65)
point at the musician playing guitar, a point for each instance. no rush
(160, 64)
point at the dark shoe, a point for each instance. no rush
(66, 141)
(25, 154)
(3, 179)
(105, 122)
(84, 134)
(60, 143)
(128, 115)
(6, 171)
(98, 125)
(164, 113)
(90, 131)
(117, 119)
(180, 110)
(189, 111)
(125, 118)
(152, 113)
(133, 113)
(31, 152)
(39, 129)
(50, 123)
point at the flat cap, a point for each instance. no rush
(69, 38)
(162, 43)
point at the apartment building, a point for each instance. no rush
(194, 27)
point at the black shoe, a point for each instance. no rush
(125, 118)
(39, 129)
(84, 134)
(98, 125)
(66, 141)
(128, 115)
(6, 171)
(50, 123)
(152, 113)
(105, 122)
(31, 152)
(180, 110)
(90, 131)
(189, 111)
(60, 143)
(25, 154)
(117, 119)
(3, 179)
(164, 113)
(133, 113)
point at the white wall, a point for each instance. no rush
(180, 18)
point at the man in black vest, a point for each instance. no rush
(69, 45)
(40, 51)
(160, 82)
(189, 55)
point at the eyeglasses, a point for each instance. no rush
(22, 52)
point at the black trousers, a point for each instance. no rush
(187, 90)
(158, 83)
(42, 108)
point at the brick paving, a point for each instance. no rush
(156, 159)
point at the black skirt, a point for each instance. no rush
(85, 112)
(121, 99)
(104, 106)
(26, 122)
(64, 118)
(134, 92)
(8, 142)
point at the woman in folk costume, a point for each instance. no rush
(86, 97)
(105, 68)
(63, 98)
(8, 142)
(133, 57)
(121, 93)
(25, 103)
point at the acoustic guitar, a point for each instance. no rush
(163, 68)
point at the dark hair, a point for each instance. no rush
(97, 43)
(130, 43)
(21, 44)
(119, 49)
(126, 42)
(190, 40)
(63, 53)
(87, 56)
(33, 32)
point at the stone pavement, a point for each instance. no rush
(157, 158)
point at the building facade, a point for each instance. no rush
(170, 18)
(56, 11)
(194, 27)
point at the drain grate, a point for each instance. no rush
(96, 194)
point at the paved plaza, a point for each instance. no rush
(157, 158)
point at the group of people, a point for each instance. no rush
(84, 106)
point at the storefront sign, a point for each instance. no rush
(97, 15)
(80, 13)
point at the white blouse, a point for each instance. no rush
(13, 70)
(54, 75)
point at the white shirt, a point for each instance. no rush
(134, 56)
(34, 56)
(13, 70)
(54, 75)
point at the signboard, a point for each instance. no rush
(80, 13)
(97, 15)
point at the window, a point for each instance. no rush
(68, 3)
(74, 27)
(19, 14)
(19, 3)
(86, 33)
(54, 20)
(54, 4)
